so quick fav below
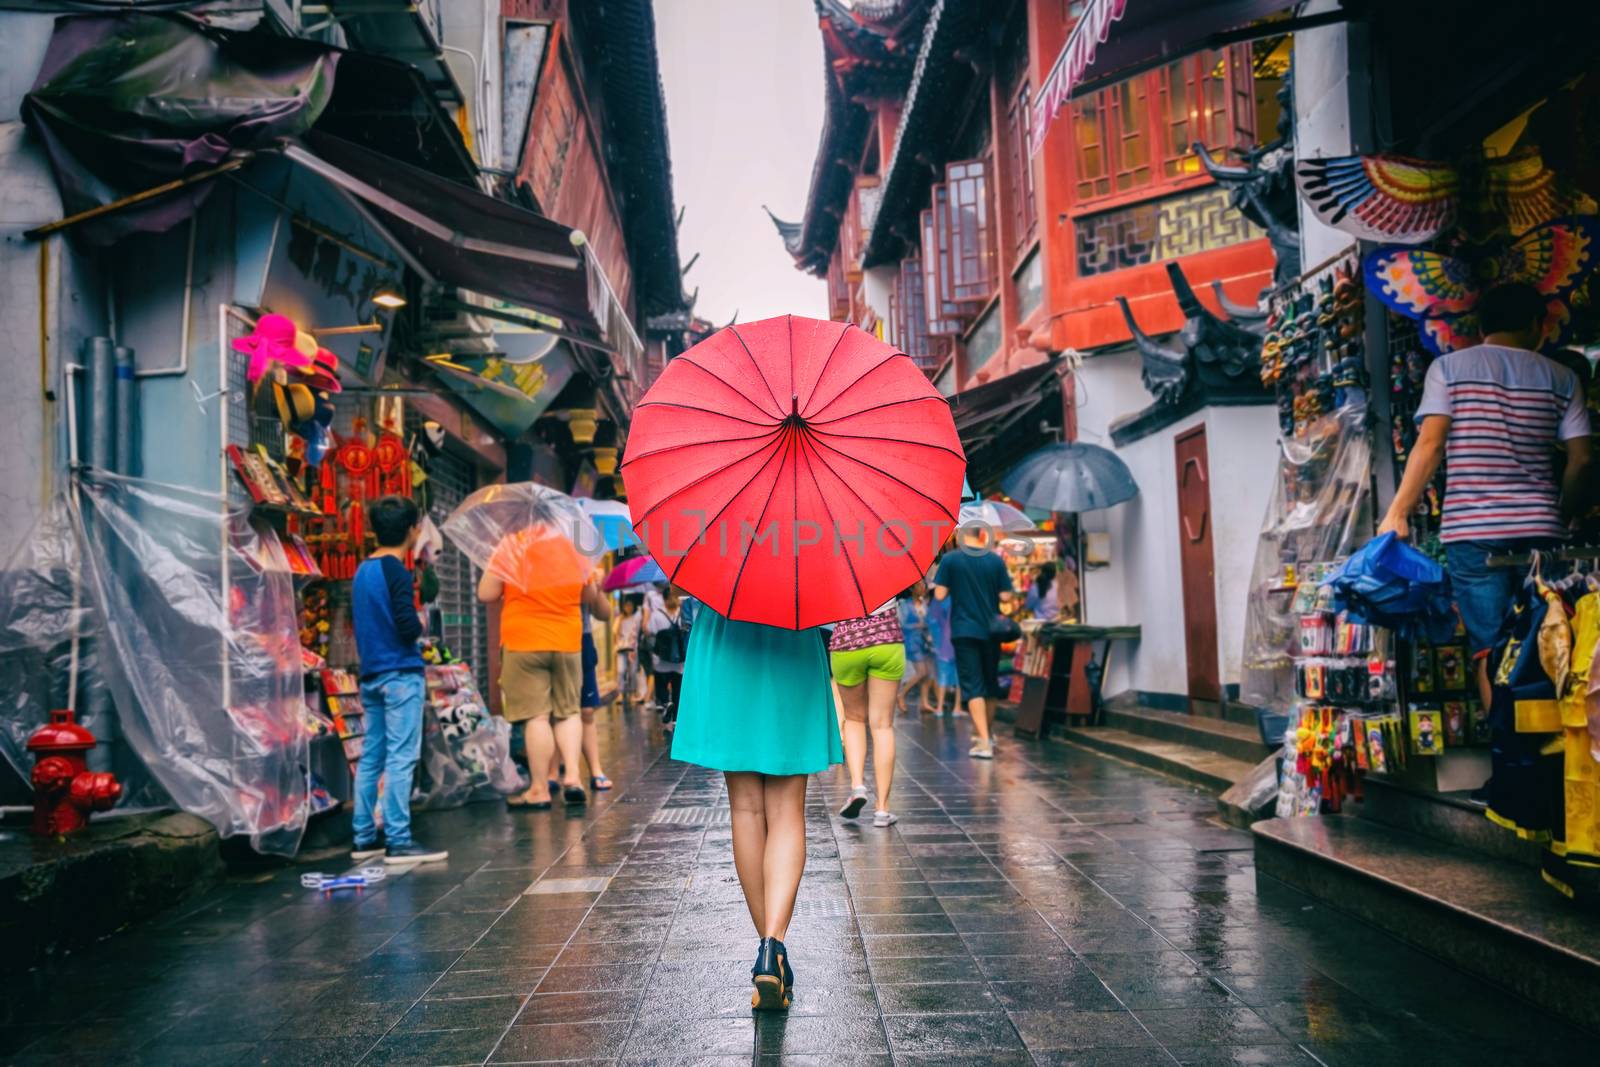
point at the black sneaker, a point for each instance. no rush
(359, 852)
(413, 853)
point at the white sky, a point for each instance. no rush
(744, 89)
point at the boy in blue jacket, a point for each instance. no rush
(392, 686)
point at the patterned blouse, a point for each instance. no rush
(867, 631)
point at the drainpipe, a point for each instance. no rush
(99, 452)
(126, 399)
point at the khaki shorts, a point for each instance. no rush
(539, 685)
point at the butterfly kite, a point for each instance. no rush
(1401, 200)
(1405, 201)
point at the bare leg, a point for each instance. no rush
(938, 697)
(591, 743)
(569, 738)
(748, 801)
(880, 711)
(1485, 690)
(785, 858)
(838, 707)
(853, 701)
(541, 745)
(978, 708)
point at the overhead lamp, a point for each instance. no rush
(388, 298)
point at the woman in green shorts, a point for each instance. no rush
(869, 659)
(757, 704)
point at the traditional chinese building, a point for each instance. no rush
(1058, 242)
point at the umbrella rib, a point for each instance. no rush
(891, 440)
(725, 506)
(882, 524)
(834, 399)
(714, 376)
(875, 407)
(696, 444)
(733, 594)
(691, 407)
(759, 372)
(708, 474)
(860, 593)
(817, 384)
(891, 477)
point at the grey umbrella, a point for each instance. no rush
(1070, 477)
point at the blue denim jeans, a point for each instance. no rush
(1484, 593)
(393, 701)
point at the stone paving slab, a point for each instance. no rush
(1051, 907)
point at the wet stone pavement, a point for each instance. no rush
(1053, 907)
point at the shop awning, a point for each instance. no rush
(1117, 39)
(999, 421)
(455, 235)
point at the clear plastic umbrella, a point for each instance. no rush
(996, 515)
(528, 535)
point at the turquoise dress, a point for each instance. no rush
(756, 698)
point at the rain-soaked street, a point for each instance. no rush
(1053, 907)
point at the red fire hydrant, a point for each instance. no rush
(65, 791)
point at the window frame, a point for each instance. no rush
(1167, 166)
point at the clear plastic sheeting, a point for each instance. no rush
(466, 752)
(41, 612)
(528, 535)
(1320, 511)
(192, 609)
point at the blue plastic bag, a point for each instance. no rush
(1388, 583)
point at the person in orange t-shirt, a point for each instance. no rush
(541, 643)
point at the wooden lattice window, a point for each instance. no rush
(943, 318)
(1137, 133)
(838, 291)
(1089, 148)
(856, 226)
(909, 311)
(1129, 119)
(1019, 166)
(1208, 97)
(971, 245)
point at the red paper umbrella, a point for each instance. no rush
(793, 472)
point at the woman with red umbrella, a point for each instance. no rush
(786, 473)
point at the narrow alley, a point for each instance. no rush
(1053, 907)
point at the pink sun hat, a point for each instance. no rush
(272, 341)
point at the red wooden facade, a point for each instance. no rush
(562, 161)
(1022, 252)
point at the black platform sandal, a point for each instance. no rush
(770, 992)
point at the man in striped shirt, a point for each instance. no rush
(1494, 414)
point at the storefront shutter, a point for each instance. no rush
(465, 618)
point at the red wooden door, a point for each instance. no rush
(1199, 570)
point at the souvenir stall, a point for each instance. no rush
(308, 458)
(1514, 203)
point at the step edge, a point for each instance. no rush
(1260, 830)
(1188, 773)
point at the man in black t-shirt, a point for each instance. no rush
(975, 580)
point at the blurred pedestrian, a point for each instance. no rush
(1043, 600)
(913, 608)
(387, 627)
(975, 581)
(944, 655)
(868, 657)
(756, 706)
(668, 628)
(625, 628)
(541, 658)
(589, 702)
